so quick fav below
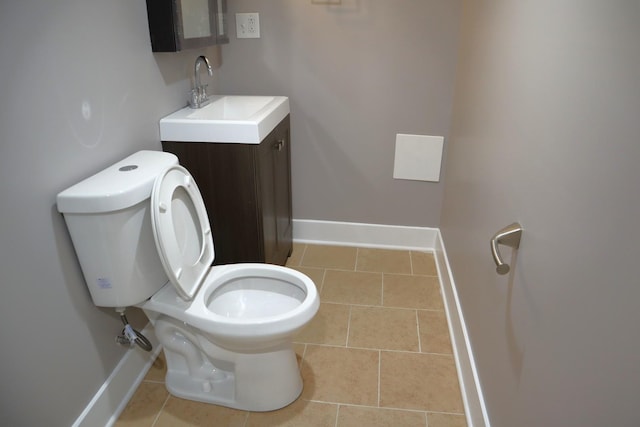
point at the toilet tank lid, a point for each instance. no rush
(117, 187)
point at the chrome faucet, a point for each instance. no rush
(199, 97)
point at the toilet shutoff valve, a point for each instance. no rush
(128, 336)
(129, 333)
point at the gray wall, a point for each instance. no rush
(546, 132)
(356, 75)
(79, 89)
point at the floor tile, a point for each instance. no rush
(296, 254)
(158, 369)
(406, 291)
(378, 352)
(299, 349)
(144, 406)
(446, 420)
(426, 382)
(357, 416)
(434, 332)
(299, 413)
(341, 375)
(384, 261)
(338, 257)
(315, 274)
(383, 328)
(352, 287)
(186, 413)
(423, 263)
(329, 326)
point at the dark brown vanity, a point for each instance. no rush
(247, 192)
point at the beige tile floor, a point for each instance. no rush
(377, 353)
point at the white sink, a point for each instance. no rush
(235, 119)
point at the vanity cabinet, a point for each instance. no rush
(176, 25)
(247, 192)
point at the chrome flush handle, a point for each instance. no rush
(508, 236)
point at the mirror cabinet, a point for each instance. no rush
(176, 25)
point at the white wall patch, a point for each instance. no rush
(418, 157)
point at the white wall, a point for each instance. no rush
(79, 89)
(546, 133)
(356, 75)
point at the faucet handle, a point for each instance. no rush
(194, 98)
(203, 92)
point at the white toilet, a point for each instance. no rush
(142, 235)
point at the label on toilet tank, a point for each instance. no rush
(104, 283)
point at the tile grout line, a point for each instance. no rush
(153, 381)
(443, 412)
(304, 353)
(418, 329)
(384, 408)
(355, 267)
(324, 275)
(155, 420)
(411, 262)
(304, 252)
(388, 350)
(346, 345)
(379, 370)
(380, 306)
(365, 271)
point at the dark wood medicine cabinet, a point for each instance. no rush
(246, 189)
(176, 25)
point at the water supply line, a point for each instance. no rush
(130, 335)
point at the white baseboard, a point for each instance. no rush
(112, 397)
(475, 409)
(364, 235)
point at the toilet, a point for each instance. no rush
(142, 235)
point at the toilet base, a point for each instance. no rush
(200, 370)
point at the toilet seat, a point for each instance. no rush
(181, 230)
(184, 244)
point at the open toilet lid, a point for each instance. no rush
(181, 230)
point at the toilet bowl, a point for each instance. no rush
(143, 238)
(231, 345)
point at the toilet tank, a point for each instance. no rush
(109, 220)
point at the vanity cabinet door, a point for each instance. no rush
(226, 175)
(247, 192)
(275, 191)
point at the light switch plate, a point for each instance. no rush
(248, 25)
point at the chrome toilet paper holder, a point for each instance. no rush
(508, 236)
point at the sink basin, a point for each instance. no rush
(231, 119)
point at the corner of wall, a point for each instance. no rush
(475, 409)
